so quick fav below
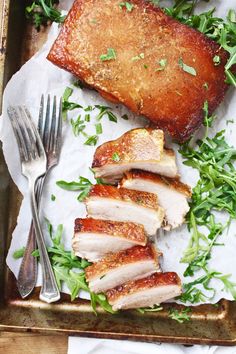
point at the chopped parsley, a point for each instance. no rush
(216, 60)
(116, 157)
(53, 197)
(138, 57)
(129, 7)
(162, 63)
(111, 55)
(205, 86)
(92, 140)
(98, 128)
(188, 69)
(125, 117)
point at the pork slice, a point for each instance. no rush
(121, 204)
(145, 292)
(117, 268)
(94, 239)
(172, 194)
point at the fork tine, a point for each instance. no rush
(30, 139)
(47, 124)
(41, 120)
(15, 118)
(58, 135)
(37, 138)
(53, 125)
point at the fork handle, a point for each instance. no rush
(49, 290)
(27, 276)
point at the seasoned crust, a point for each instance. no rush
(127, 230)
(173, 183)
(154, 280)
(172, 98)
(119, 259)
(144, 199)
(142, 144)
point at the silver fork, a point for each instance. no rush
(49, 127)
(33, 165)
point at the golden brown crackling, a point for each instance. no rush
(152, 281)
(141, 144)
(119, 259)
(144, 199)
(127, 230)
(172, 99)
(173, 183)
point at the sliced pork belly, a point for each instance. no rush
(121, 204)
(138, 148)
(172, 194)
(145, 292)
(94, 239)
(118, 268)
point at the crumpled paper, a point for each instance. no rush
(39, 76)
(78, 345)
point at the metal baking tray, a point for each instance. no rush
(208, 325)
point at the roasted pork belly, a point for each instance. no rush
(140, 148)
(150, 62)
(145, 292)
(118, 268)
(172, 194)
(121, 204)
(94, 239)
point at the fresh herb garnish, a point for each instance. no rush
(216, 60)
(129, 7)
(116, 157)
(155, 308)
(125, 117)
(162, 63)
(53, 197)
(215, 190)
(84, 185)
(92, 140)
(138, 57)
(111, 54)
(66, 104)
(78, 125)
(205, 86)
(19, 253)
(180, 316)
(42, 11)
(188, 69)
(98, 128)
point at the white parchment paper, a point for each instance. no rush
(39, 76)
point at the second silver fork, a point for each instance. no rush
(49, 126)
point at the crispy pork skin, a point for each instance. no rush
(145, 292)
(118, 268)
(140, 148)
(172, 194)
(121, 204)
(146, 60)
(94, 239)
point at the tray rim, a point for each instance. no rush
(9, 308)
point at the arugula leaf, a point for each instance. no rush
(129, 7)
(19, 253)
(42, 11)
(66, 104)
(83, 185)
(180, 316)
(155, 308)
(188, 69)
(111, 55)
